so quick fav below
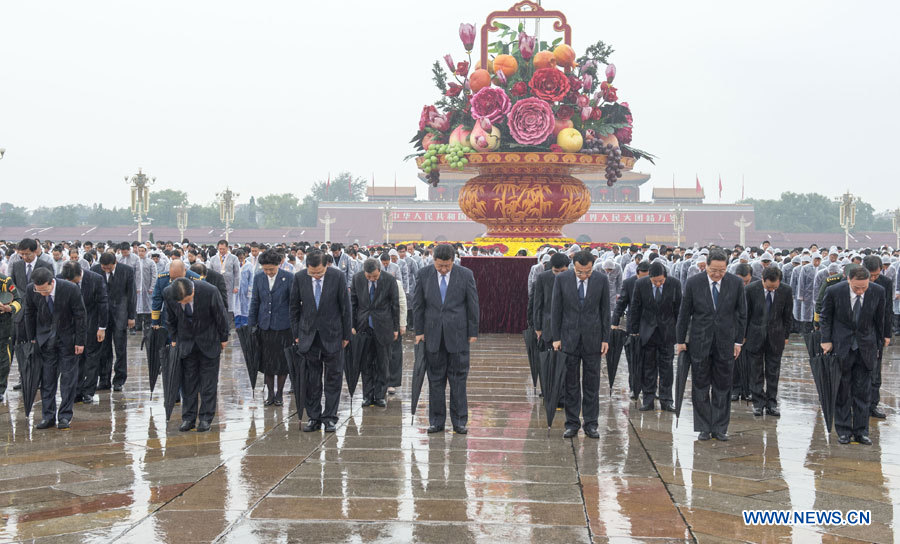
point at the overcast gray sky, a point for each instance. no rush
(270, 96)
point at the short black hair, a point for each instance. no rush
(385, 257)
(107, 258)
(855, 272)
(584, 257)
(182, 288)
(743, 269)
(657, 270)
(716, 255)
(269, 257)
(198, 268)
(559, 260)
(401, 247)
(70, 270)
(872, 263)
(444, 252)
(771, 273)
(222, 242)
(370, 265)
(29, 244)
(41, 276)
(314, 259)
(643, 266)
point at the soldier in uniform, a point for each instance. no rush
(10, 305)
(177, 269)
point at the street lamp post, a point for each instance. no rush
(140, 199)
(896, 221)
(181, 218)
(226, 209)
(678, 223)
(387, 220)
(847, 215)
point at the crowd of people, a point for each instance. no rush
(80, 302)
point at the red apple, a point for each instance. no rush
(559, 125)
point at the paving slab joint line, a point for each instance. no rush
(587, 517)
(666, 487)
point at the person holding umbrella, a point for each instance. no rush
(93, 294)
(580, 328)
(543, 303)
(270, 312)
(375, 298)
(852, 325)
(874, 265)
(54, 322)
(714, 310)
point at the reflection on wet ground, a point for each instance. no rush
(122, 474)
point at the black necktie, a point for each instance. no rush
(28, 273)
(581, 291)
(857, 308)
(658, 292)
(50, 304)
(768, 302)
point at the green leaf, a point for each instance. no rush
(544, 46)
(639, 153)
(501, 26)
(521, 26)
(557, 41)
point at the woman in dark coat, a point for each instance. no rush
(270, 313)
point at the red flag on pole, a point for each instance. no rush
(720, 186)
(698, 188)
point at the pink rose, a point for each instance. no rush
(490, 102)
(531, 121)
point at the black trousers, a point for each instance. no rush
(444, 367)
(142, 322)
(711, 392)
(765, 368)
(657, 363)
(851, 412)
(199, 376)
(323, 369)
(89, 366)
(875, 392)
(6, 349)
(374, 363)
(115, 336)
(582, 388)
(395, 364)
(59, 364)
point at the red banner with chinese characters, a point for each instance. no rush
(421, 216)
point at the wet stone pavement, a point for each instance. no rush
(123, 474)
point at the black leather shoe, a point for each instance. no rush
(330, 427)
(63, 425)
(45, 424)
(312, 426)
(279, 400)
(269, 401)
(77, 399)
(757, 412)
(735, 398)
(721, 437)
(381, 403)
(203, 426)
(874, 412)
(773, 412)
(87, 400)
(117, 388)
(570, 433)
(862, 439)
(646, 407)
(635, 395)
(435, 429)
(703, 436)
(186, 426)
(367, 402)
(668, 406)
(1, 398)
(461, 430)
(843, 439)
(591, 433)
(17, 387)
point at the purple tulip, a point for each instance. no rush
(449, 60)
(587, 82)
(467, 35)
(526, 45)
(610, 73)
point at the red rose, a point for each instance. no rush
(564, 113)
(462, 68)
(609, 92)
(596, 114)
(549, 84)
(454, 89)
(624, 135)
(574, 83)
(519, 89)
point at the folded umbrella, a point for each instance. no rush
(813, 341)
(557, 364)
(352, 357)
(635, 367)
(743, 368)
(249, 341)
(297, 369)
(543, 366)
(418, 377)
(532, 351)
(30, 371)
(155, 342)
(826, 371)
(613, 354)
(171, 379)
(682, 369)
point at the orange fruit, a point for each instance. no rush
(479, 79)
(565, 55)
(544, 59)
(507, 63)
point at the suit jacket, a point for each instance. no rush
(331, 320)
(66, 323)
(218, 281)
(624, 298)
(456, 319)
(270, 310)
(572, 322)
(838, 328)
(121, 293)
(17, 273)
(646, 314)
(96, 301)
(888, 286)
(773, 328)
(543, 304)
(384, 310)
(207, 328)
(718, 328)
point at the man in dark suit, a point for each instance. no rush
(654, 311)
(874, 265)
(212, 277)
(770, 307)
(623, 304)
(93, 294)
(579, 324)
(122, 300)
(543, 297)
(714, 310)
(20, 272)
(198, 328)
(375, 299)
(54, 322)
(321, 320)
(446, 311)
(852, 324)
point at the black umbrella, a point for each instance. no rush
(543, 367)
(531, 349)
(826, 370)
(171, 379)
(613, 354)
(813, 341)
(742, 367)
(297, 369)
(682, 369)
(30, 371)
(250, 349)
(556, 361)
(635, 366)
(352, 356)
(155, 342)
(418, 377)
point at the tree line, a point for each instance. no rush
(813, 212)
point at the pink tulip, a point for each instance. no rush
(526, 45)
(587, 82)
(501, 77)
(449, 60)
(610, 73)
(467, 35)
(586, 113)
(582, 101)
